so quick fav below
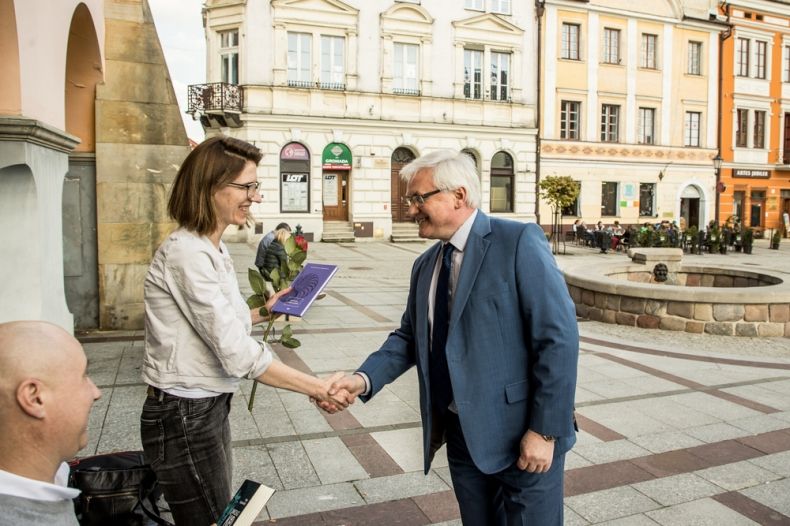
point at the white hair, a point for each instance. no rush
(451, 170)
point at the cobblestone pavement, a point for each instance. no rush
(676, 429)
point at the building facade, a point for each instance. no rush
(629, 108)
(755, 131)
(341, 95)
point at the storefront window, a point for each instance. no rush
(294, 178)
(502, 182)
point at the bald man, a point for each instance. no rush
(45, 399)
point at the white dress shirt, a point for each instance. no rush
(18, 486)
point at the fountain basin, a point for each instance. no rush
(712, 299)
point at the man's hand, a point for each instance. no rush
(536, 453)
(332, 399)
(346, 387)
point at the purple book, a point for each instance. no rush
(306, 287)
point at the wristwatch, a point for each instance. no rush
(549, 438)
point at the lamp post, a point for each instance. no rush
(719, 186)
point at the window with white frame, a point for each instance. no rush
(759, 129)
(229, 56)
(691, 128)
(570, 41)
(760, 50)
(742, 57)
(405, 78)
(695, 58)
(474, 4)
(647, 131)
(610, 122)
(333, 65)
(500, 6)
(569, 119)
(741, 128)
(473, 74)
(649, 51)
(500, 76)
(611, 45)
(299, 61)
(786, 65)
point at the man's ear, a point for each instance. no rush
(30, 397)
(460, 195)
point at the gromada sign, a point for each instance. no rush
(336, 156)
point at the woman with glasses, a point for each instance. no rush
(197, 334)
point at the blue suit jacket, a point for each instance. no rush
(512, 346)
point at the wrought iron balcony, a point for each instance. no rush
(218, 104)
(406, 91)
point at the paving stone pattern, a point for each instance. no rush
(676, 428)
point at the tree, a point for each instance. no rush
(559, 192)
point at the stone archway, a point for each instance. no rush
(80, 248)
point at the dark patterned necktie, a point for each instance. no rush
(441, 388)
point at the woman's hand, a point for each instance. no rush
(255, 314)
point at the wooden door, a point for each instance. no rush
(335, 195)
(400, 158)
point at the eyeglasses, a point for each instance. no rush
(252, 188)
(418, 199)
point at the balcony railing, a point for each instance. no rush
(215, 97)
(300, 84)
(404, 91)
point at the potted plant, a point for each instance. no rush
(693, 237)
(775, 238)
(747, 239)
(714, 238)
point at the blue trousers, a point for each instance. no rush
(187, 443)
(508, 498)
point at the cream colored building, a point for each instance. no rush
(376, 82)
(629, 96)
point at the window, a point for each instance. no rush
(405, 69)
(692, 128)
(649, 51)
(759, 129)
(741, 126)
(502, 182)
(647, 131)
(695, 58)
(647, 199)
(610, 117)
(333, 68)
(608, 199)
(569, 120)
(742, 58)
(570, 41)
(738, 199)
(229, 55)
(760, 51)
(611, 46)
(474, 4)
(473, 74)
(294, 178)
(500, 6)
(299, 47)
(500, 76)
(573, 208)
(786, 75)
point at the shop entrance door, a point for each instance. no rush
(335, 194)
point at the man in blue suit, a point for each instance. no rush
(492, 330)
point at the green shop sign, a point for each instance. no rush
(336, 157)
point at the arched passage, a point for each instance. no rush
(10, 91)
(83, 72)
(19, 223)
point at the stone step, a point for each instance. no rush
(338, 237)
(405, 233)
(338, 226)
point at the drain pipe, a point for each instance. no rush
(540, 7)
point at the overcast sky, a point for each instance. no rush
(180, 27)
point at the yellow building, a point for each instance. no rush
(629, 108)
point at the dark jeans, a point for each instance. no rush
(510, 497)
(187, 443)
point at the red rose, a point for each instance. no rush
(301, 242)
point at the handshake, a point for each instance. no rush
(338, 391)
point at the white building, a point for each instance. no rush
(340, 95)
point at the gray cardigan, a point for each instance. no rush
(17, 510)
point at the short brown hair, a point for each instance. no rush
(212, 164)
